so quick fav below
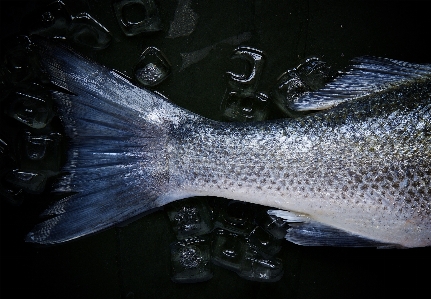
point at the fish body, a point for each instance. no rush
(355, 173)
(362, 167)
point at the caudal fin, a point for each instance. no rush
(118, 159)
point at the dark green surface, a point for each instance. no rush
(133, 261)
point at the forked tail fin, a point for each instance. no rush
(118, 158)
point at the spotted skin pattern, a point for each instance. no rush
(362, 167)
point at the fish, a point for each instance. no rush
(353, 172)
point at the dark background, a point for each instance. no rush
(133, 261)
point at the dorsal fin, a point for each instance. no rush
(366, 76)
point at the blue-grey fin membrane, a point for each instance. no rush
(117, 166)
(367, 75)
(307, 232)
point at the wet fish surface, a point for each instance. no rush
(354, 173)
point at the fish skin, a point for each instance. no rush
(361, 167)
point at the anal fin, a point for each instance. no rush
(307, 232)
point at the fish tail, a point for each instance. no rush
(117, 166)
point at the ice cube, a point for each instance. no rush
(20, 63)
(41, 152)
(238, 107)
(190, 217)
(263, 241)
(247, 83)
(242, 101)
(276, 226)
(31, 107)
(228, 249)
(52, 21)
(236, 217)
(137, 16)
(190, 260)
(232, 251)
(152, 68)
(32, 182)
(86, 31)
(257, 267)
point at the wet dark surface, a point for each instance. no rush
(134, 261)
